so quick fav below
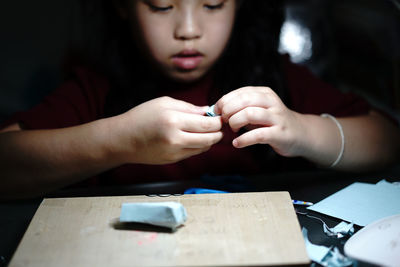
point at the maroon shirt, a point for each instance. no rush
(83, 98)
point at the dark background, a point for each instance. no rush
(355, 46)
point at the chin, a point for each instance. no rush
(187, 76)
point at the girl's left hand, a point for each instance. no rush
(269, 121)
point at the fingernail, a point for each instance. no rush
(235, 143)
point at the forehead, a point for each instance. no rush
(142, 8)
(217, 12)
(180, 2)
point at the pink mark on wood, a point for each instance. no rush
(148, 239)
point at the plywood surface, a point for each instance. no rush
(244, 229)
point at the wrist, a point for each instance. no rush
(324, 142)
(110, 142)
(342, 138)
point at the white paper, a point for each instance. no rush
(340, 230)
(362, 203)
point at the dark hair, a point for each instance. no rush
(251, 57)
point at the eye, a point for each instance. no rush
(215, 7)
(159, 8)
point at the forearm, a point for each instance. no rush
(371, 141)
(34, 162)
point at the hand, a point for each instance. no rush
(166, 130)
(269, 121)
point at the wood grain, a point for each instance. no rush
(241, 229)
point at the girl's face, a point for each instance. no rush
(182, 38)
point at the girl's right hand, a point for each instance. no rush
(165, 130)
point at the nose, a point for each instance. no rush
(187, 26)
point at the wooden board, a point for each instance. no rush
(243, 229)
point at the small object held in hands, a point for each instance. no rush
(165, 214)
(210, 112)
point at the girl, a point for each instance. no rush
(136, 111)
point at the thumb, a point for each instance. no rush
(186, 107)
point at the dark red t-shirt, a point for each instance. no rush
(83, 98)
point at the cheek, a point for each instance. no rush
(220, 33)
(155, 41)
(154, 38)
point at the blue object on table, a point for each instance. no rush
(194, 190)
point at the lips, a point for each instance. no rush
(187, 59)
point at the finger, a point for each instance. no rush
(250, 116)
(257, 136)
(258, 97)
(224, 100)
(200, 124)
(234, 94)
(200, 140)
(180, 105)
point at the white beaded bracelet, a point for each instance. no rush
(339, 157)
